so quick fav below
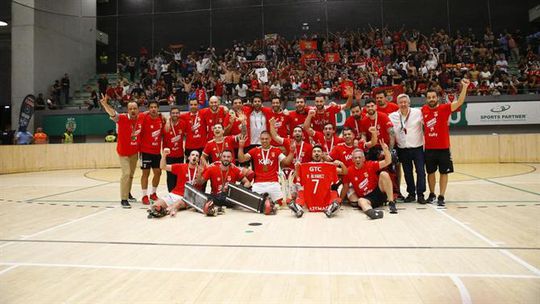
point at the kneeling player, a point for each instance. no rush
(316, 179)
(221, 174)
(369, 189)
(186, 173)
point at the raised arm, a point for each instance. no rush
(350, 94)
(273, 132)
(163, 162)
(387, 156)
(288, 160)
(307, 123)
(374, 138)
(105, 104)
(242, 157)
(461, 99)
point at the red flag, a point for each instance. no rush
(332, 57)
(308, 45)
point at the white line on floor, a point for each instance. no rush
(463, 292)
(58, 226)
(491, 243)
(276, 272)
(8, 269)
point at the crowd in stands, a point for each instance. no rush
(276, 67)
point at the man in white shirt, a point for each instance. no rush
(408, 130)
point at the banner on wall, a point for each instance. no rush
(503, 113)
(307, 45)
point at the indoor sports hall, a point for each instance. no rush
(67, 237)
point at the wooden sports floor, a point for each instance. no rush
(64, 239)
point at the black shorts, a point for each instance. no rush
(438, 159)
(377, 198)
(149, 160)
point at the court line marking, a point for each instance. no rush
(463, 292)
(254, 246)
(57, 226)
(277, 272)
(493, 244)
(70, 191)
(500, 184)
(8, 269)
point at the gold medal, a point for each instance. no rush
(265, 168)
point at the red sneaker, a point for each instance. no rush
(153, 197)
(145, 200)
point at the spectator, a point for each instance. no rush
(67, 137)
(23, 137)
(40, 137)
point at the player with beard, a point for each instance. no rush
(213, 149)
(173, 138)
(298, 116)
(214, 114)
(190, 173)
(150, 150)
(266, 161)
(326, 139)
(327, 114)
(343, 151)
(221, 174)
(129, 129)
(353, 121)
(437, 139)
(233, 121)
(281, 120)
(257, 118)
(385, 128)
(303, 147)
(383, 105)
(369, 189)
(316, 179)
(196, 129)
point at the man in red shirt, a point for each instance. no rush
(173, 138)
(298, 116)
(353, 121)
(315, 182)
(214, 114)
(343, 151)
(302, 152)
(327, 139)
(127, 147)
(195, 130)
(213, 149)
(281, 118)
(383, 105)
(150, 150)
(188, 173)
(327, 114)
(266, 161)
(437, 139)
(385, 128)
(221, 174)
(362, 184)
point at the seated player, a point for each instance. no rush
(186, 173)
(266, 161)
(315, 183)
(369, 189)
(221, 174)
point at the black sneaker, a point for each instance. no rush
(440, 201)
(400, 198)
(392, 207)
(431, 198)
(131, 198)
(125, 204)
(375, 214)
(421, 200)
(409, 199)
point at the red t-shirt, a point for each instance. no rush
(354, 124)
(195, 131)
(282, 125)
(184, 175)
(270, 158)
(174, 139)
(317, 178)
(343, 153)
(129, 131)
(381, 122)
(390, 108)
(327, 145)
(436, 130)
(296, 118)
(150, 139)
(214, 149)
(219, 178)
(303, 151)
(210, 118)
(363, 180)
(328, 116)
